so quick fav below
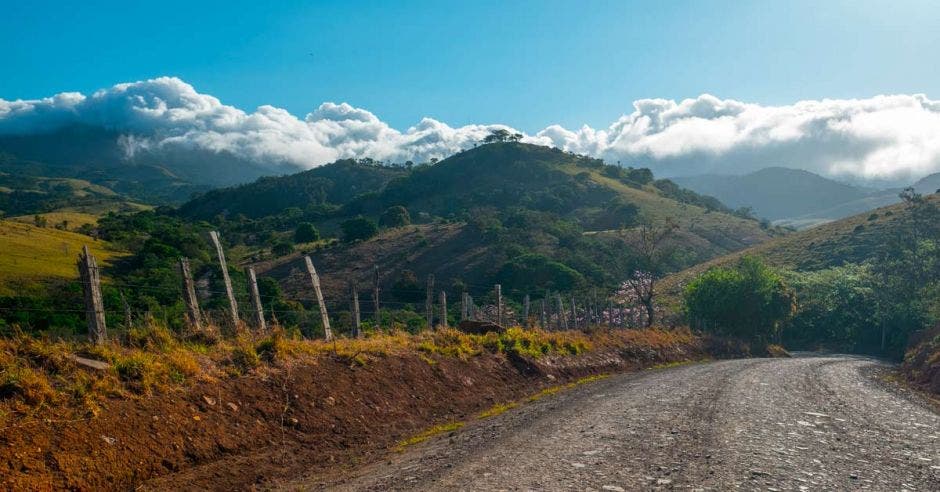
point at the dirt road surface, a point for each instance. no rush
(807, 423)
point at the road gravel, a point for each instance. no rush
(805, 423)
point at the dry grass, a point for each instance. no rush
(427, 434)
(497, 409)
(38, 374)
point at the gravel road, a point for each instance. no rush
(807, 423)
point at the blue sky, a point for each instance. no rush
(525, 64)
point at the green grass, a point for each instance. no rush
(33, 253)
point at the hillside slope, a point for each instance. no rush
(850, 240)
(523, 215)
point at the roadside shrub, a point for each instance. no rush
(21, 381)
(138, 369)
(244, 357)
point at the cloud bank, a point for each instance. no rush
(885, 137)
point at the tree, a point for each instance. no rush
(502, 135)
(748, 300)
(359, 229)
(651, 246)
(282, 248)
(395, 216)
(305, 233)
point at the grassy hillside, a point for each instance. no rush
(850, 240)
(32, 254)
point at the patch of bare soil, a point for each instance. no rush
(307, 416)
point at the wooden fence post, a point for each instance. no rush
(574, 313)
(375, 297)
(315, 280)
(610, 313)
(525, 311)
(562, 318)
(233, 306)
(443, 309)
(193, 316)
(357, 322)
(542, 314)
(127, 312)
(429, 302)
(94, 304)
(499, 304)
(256, 300)
(463, 306)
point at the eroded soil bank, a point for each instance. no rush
(304, 416)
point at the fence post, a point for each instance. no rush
(375, 297)
(443, 309)
(127, 311)
(610, 313)
(525, 311)
(562, 318)
(429, 302)
(256, 300)
(357, 322)
(463, 305)
(94, 304)
(542, 314)
(574, 312)
(233, 306)
(193, 317)
(499, 304)
(315, 280)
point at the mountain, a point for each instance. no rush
(928, 184)
(790, 196)
(520, 214)
(162, 175)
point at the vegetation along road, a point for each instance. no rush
(806, 423)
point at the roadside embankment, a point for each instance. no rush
(237, 414)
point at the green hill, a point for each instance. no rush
(853, 239)
(520, 214)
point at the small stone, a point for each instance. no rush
(208, 399)
(663, 481)
(853, 476)
(109, 440)
(232, 406)
(613, 488)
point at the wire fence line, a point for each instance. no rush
(352, 311)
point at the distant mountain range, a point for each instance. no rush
(167, 174)
(795, 197)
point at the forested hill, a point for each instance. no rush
(334, 184)
(519, 213)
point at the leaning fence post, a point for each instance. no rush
(189, 297)
(256, 300)
(499, 305)
(574, 312)
(94, 304)
(562, 319)
(375, 296)
(127, 311)
(525, 311)
(429, 302)
(233, 306)
(443, 309)
(315, 280)
(355, 311)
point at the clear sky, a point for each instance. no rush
(526, 64)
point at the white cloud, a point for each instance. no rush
(890, 137)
